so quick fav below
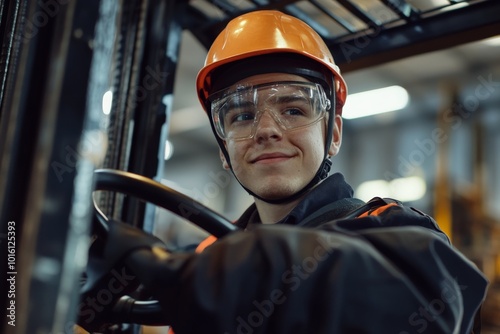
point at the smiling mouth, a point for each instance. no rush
(270, 158)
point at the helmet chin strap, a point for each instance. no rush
(321, 174)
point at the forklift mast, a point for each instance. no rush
(84, 84)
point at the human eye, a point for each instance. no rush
(240, 113)
(241, 116)
(294, 111)
(294, 106)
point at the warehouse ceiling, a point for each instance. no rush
(375, 42)
(364, 33)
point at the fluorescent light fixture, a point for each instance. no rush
(408, 189)
(369, 189)
(187, 119)
(492, 41)
(375, 101)
(405, 189)
(169, 149)
(107, 102)
(456, 5)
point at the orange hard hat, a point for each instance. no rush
(267, 32)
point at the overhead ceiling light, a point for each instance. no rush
(169, 150)
(455, 4)
(187, 119)
(375, 101)
(493, 41)
(107, 102)
(405, 189)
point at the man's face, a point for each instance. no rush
(275, 163)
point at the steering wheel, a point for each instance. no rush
(126, 309)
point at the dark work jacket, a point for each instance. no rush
(391, 270)
(333, 193)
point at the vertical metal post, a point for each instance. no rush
(47, 163)
(158, 62)
(52, 138)
(143, 74)
(442, 190)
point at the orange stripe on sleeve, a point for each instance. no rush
(205, 243)
(378, 211)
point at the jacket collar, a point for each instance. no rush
(330, 190)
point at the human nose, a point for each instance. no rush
(267, 127)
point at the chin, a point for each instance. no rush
(274, 191)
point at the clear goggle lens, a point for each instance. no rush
(236, 111)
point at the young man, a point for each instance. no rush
(309, 258)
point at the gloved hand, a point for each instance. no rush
(124, 239)
(109, 277)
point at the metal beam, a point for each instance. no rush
(448, 29)
(157, 66)
(403, 9)
(360, 14)
(48, 181)
(206, 29)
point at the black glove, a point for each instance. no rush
(108, 277)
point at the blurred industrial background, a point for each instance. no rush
(443, 148)
(111, 83)
(438, 153)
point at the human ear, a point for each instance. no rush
(225, 165)
(336, 137)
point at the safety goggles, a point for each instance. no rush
(236, 111)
